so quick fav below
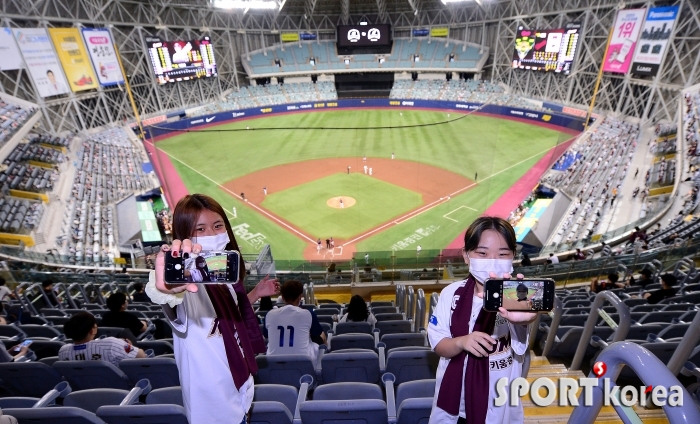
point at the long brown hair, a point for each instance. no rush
(186, 215)
(481, 224)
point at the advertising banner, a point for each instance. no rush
(288, 37)
(656, 32)
(439, 32)
(624, 38)
(76, 64)
(41, 61)
(11, 57)
(103, 56)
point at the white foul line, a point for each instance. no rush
(239, 197)
(455, 210)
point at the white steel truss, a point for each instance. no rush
(235, 33)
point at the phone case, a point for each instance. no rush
(214, 267)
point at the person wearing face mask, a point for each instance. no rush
(216, 333)
(478, 348)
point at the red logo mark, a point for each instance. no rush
(599, 369)
(648, 389)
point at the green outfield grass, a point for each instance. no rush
(305, 205)
(474, 144)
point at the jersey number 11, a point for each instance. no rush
(291, 335)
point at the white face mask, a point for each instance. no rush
(217, 242)
(480, 268)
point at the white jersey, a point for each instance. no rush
(5, 292)
(109, 349)
(506, 361)
(289, 332)
(208, 391)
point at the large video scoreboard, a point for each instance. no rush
(179, 60)
(546, 49)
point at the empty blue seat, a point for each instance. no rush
(166, 395)
(348, 391)
(51, 415)
(389, 317)
(351, 366)
(17, 402)
(379, 303)
(90, 400)
(384, 310)
(270, 412)
(352, 341)
(287, 395)
(161, 372)
(159, 347)
(283, 369)
(414, 400)
(33, 331)
(661, 316)
(410, 365)
(352, 327)
(403, 340)
(393, 327)
(33, 379)
(359, 403)
(83, 375)
(326, 311)
(143, 414)
(674, 331)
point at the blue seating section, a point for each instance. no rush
(432, 54)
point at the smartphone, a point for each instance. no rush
(519, 295)
(25, 343)
(213, 267)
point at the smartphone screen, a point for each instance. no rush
(25, 343)
(519, 295)
(212, 267)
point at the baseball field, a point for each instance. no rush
(374, 180)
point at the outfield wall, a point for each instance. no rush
(554, 120)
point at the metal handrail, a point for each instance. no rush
(556, 314)
(419, 318)
(685, 347)
(61, 291)
(619, 334)
(410, 304)
(434, 297)
(400, 297)
(649, 369)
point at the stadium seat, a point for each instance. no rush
(32, 379)
(270, 412)
(345, 402)
(326, 312)
(161, 372)
(403, 340)
(384, 310)
(389, 317)
(159, 347)
(414, 400)
(352, 327)
(393, 327)
(49, 361)
(283, 369)
(287, 395)
(379, 303)
(46, 348)
(91, 399)
(674, 331)
(351, 366)
(51, 415)
(352, 341)
(44, 331)
(639, 333)
(143, 414)
(410, 365)
(327, 319)
(17, 402)
(12, 332)
(166, 395)
(660, 317)
(83, 375)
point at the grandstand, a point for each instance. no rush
(387, 145)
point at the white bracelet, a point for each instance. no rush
(159, 297)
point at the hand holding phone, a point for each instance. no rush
(519, 295)
(212, 267)
(25, 343)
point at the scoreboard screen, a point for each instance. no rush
(546, 50)
(364, 35)
(181, 60)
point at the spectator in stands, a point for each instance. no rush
(82, 328)
(526, 260)
(610, 283)
(118, 317)
(579, 255)
(14, 353)
(216, 332)
(265, 304)
(644, 279)
(460, 328)
(5, 292)
(358, 312)
(49, 294)
(552, 259)
(666, 291)
(291, 329)
(139, 294)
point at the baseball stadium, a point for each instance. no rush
(364, 162)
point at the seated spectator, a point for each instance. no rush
(611, 283)
(14, 353)
(118, 317)
(5, 292)
(666, 291)
(291, 329)
(644, 279)
(358, 312)
(553, 259)
(526, 260)
(579, 255)
(265, 304)
(139, 294)
(49, 294)
(82, 328)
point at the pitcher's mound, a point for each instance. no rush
(334, 202)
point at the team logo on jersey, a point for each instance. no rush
(455, 299)
(214, 331)
(127, 348)
(433, 320)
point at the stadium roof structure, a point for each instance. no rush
(491, 23)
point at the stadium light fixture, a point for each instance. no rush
(247, 4)
(445, 2)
